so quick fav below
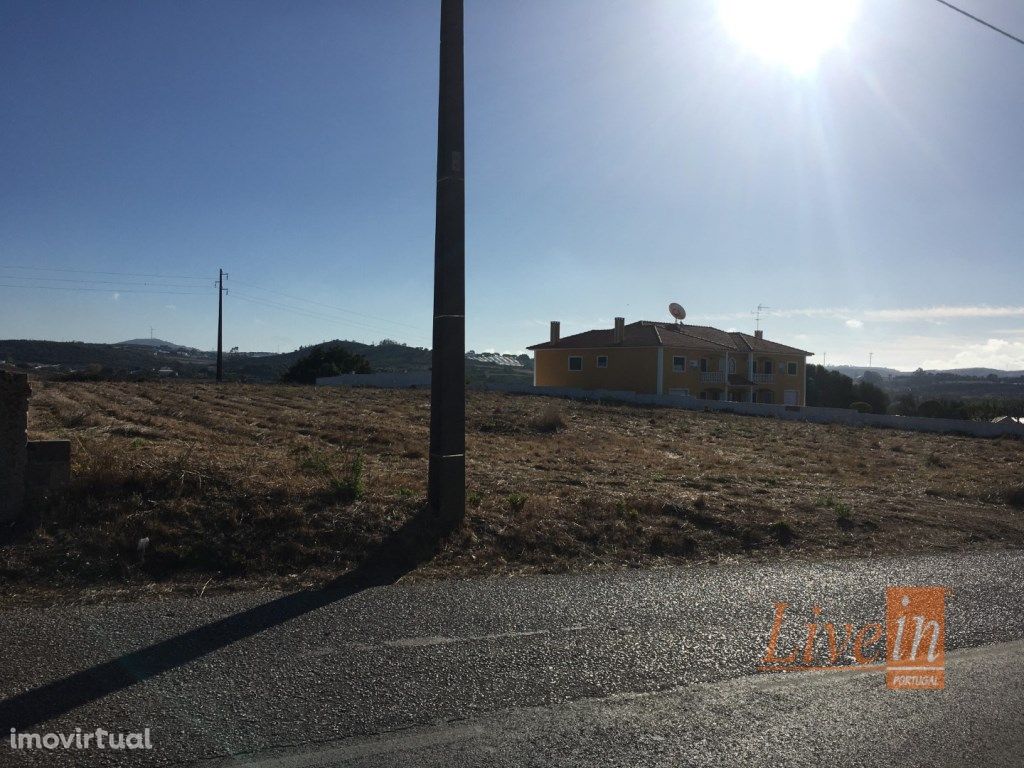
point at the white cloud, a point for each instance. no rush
(904, 314)
(854, 323)
(994, 353)
(116, 296)
(169, 306)
(943, 313)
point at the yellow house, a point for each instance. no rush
(674, 359)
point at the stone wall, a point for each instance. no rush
(14, 394)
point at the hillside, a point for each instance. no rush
(128, 360)
(246, 483)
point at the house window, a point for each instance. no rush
(768, 367)
(678, 364)
(602, 361)
(703, 365)
(575, 363)
(766, 396)
(684, 392)
(791, 369)
(732, 365)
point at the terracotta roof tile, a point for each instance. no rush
(645, 333)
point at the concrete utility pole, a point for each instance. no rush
(446, 482)
(220, 325)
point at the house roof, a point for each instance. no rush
(646, 333)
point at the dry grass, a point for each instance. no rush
(259, 482)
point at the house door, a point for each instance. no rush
(792, 397)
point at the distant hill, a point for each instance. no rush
(142, 360)
(154, 343)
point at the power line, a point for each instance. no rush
(309, 313)
(327, 306)
(100, 272)
(982, 21)
(99, 290)
(98, 282)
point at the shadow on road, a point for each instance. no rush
(417, 541)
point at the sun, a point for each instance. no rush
(793, 33)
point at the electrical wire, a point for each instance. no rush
(311, 314)
(981, 21)
(327, 306)
(100, 272)
(99, 290)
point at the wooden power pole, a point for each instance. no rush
(446, 482)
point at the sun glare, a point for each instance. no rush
(794, 33)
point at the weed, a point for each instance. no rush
(516, 502)
(350, 487)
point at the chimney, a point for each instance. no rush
(620, 329)
(556, 331)
(758, 334)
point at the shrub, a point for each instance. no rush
(332, 360)
(861, 407)
(549, 420)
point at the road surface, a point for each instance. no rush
(633, 668)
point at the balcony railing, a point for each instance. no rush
(712, 377)
(764, 378)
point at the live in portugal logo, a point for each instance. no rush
(913, 655)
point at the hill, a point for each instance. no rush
(154, 343)
(130, 360)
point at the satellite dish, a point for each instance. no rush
(677, 311)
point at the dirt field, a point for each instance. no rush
(245, 484)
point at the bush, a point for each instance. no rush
(550, 420)
(861, 406)
(931, 408)
(333, 360)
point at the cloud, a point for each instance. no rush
(994, 353)
(169, 306)
(116, 296)
(854, 323)
(943, 313)
(901, 314)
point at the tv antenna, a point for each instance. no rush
(677, 311)
(761, 310)
(151, 329)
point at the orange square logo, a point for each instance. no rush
(915, 621)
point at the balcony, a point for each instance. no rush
(764, 378)
(712, 377)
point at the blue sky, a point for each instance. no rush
(620, 155)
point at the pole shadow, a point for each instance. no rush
(415, 542)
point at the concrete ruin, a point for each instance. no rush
(30, 470)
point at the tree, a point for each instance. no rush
(331, 360)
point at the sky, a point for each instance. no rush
(861, 177)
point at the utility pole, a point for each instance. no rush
(220, 325)
(446, 481)
(871, 358)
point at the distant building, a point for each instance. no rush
(674, 359)
(166, 372)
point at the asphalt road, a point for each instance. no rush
(635, 668)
